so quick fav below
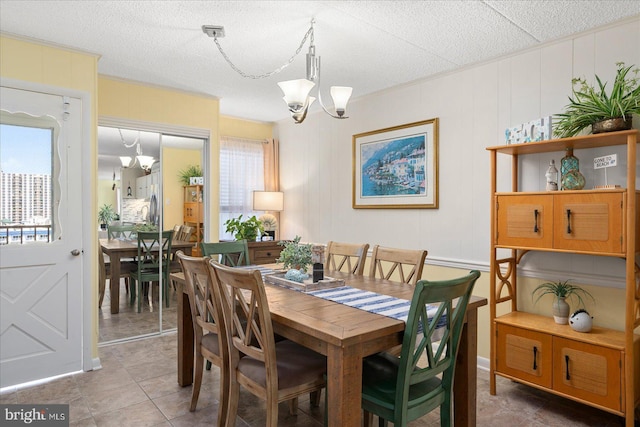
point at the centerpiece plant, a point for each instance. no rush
(592, 105)
(561, 290)
(295, 255)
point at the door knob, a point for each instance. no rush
(75, 252)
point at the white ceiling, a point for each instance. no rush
(369, 45)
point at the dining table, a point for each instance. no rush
(345, 335)
(119, 249)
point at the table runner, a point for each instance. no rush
(377, 303)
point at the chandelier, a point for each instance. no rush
(145, 162)
(296, 92)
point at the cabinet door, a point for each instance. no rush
(525, 220)
(191, 212)
(588, 372)
(589, 222)
(524, 354)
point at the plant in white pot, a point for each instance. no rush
(561, 290)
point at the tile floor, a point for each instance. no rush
(137, 386)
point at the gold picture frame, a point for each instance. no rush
(396, 167)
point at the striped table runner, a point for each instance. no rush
(375, 303)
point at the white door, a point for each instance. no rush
(41, 315)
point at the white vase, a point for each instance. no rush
(560, 311)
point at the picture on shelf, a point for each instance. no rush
(533, 131)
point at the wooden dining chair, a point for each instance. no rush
(272, 371)
(421, 379)
(349, 255)
(210, 337)
(152, 263)
(407, 262)
(228, 253)
(186, 231)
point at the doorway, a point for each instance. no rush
(143, 197)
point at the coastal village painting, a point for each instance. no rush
(394, 167)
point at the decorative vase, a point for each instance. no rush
(573, 180)
(570, 176)
(552, 176)
(560, 311)
(612, 125)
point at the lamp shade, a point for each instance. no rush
(145, 161)
(296, 93)
(268, 201)
(125, 160)
(340, 95)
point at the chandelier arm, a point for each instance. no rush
(125, 143)
(271, 73)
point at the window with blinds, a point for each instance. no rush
(241, 172)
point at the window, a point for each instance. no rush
(241, 172)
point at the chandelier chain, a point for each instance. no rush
(309, 34)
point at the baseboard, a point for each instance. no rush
(483, 363)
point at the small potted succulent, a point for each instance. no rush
(248, 229)
(561, 290)
(591, 105)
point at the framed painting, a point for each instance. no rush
(396, 167)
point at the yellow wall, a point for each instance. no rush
(105, 195)
(64, 68)
(231, 126)
(135, 101)
(175, 160)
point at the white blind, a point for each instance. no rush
(241, 172)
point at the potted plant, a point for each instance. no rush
(561, 290)
(185, 175)
(593, 106)
(106, 214)
(295, 255)
(248, 230)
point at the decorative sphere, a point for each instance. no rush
(581, 321)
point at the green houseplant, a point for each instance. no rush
(295, 255)
(561, 290)
(106, 214)
(186, 174)
(591, 105)
(248, 229)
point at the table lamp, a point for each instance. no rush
(268, 201)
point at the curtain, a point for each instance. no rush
(242, 170)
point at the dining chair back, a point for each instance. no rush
(208, 327)
(118, 231)
(349, 255)
(407, 262)
(228, 253)
(152, 263)
(186, 231)
(273, 371)
(421, 379)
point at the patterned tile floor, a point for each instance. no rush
(137, 386)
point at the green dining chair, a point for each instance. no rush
(402, 389)
(117, 231)
(153, 262)
(232, 254)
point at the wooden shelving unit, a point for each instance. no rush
(193, 213)
(600, 368)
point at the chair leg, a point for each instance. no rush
(314, 398)
(140, 295)
(368, 419)
(132, 294)
(293, 406)
(197, 381)
(272, 410)
(223, 408)
(232, 407)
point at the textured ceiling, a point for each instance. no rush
(369, 45)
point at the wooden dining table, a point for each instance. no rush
(345, 335)
(118, 249)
